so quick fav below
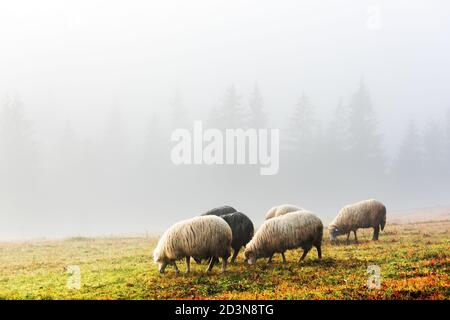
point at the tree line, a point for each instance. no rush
(323, 163)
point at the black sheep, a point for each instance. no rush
(242, 230)
(241, 227)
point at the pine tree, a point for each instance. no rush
(18, 150)
(365, 150)
(333, 157)
(302, 133)
(229, 114)
(18, 153)
(408, 166)
(434, 151)
(258, 118)
(338, 131)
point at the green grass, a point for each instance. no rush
(414, 261)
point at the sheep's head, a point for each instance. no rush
(250, 256)
(334, 232)
(160, 260)
(162, 266)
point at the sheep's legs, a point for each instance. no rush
(163, 267)
(224, 264)
(348, 237)
(211, 264)
(356, 239)
(188, 264)
(305, 252)
(319, 251)
(175, 267)
(235, 253)
(376, 232)
(271, 256)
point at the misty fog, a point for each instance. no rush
(90, 92)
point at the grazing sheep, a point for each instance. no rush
(219, 211)
(364, 214)
(279, 211)
(199, 237)
(241, 228)
(300, 229)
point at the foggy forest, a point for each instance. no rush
(81, 183)
(86, 151)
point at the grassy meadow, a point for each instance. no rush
(414, 260)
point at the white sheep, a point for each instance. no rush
(299, 229)
(279, 211)
(199, 237)
(364, 214)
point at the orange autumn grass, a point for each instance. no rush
(414, 260)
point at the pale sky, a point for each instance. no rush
(74, 59)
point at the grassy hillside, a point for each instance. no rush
(414, 261)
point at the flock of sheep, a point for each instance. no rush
(213, 234)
